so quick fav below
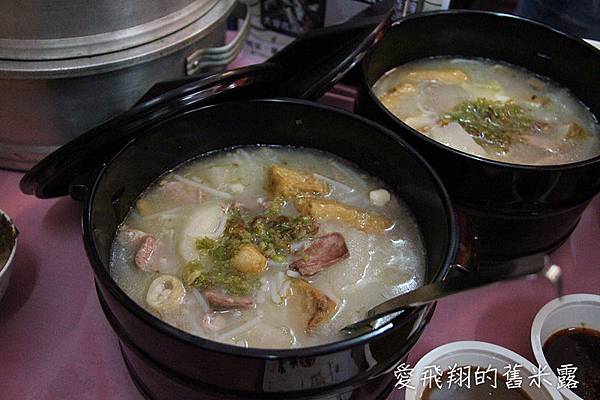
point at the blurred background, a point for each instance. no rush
(276, 22)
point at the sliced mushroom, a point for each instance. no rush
(165, 293)
(180, 193)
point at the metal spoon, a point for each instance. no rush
(526, 267)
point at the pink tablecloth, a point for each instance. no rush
(56, 344)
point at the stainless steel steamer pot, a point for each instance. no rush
(64, 71)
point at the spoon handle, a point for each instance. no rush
(524, 267)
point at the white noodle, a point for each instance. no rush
(171, 234)
(357, 286)
(240, 329)
(244, 155)
(284, 288)
(260, 297)
(194, 183)
(172, 212)
(222, 224)
(342, 169)
(280, 277)
(275, 298)
(200, 299)
(334, 183)
(297, 246)
(293, 274)
(275, 264)
(276, 287)
(348, 173)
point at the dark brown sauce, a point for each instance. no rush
(580, 347)
(475, 392)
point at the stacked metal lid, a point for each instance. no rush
(67, 66)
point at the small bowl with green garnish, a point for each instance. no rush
(8, 246)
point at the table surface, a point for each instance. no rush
(56, 344)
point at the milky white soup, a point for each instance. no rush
(267, 247)
(492, 110)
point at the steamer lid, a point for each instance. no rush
(306, 69)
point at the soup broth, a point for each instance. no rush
(267, 247)
(491, 110)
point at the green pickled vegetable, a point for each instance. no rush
(271, 232)
(220, 275)
(494, 125)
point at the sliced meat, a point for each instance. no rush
(323, 252)
(181, 193)
(147, 256)
(221, 300)
(318, 307)
(131, 237)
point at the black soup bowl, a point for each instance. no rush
(167, 363)
(513, 210)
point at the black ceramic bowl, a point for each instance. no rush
(167, 363)
(513, 210)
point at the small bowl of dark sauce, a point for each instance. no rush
(483, 369)
(497, 390)
(565, 336)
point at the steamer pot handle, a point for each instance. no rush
(213, 57)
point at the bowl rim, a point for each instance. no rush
(549, 308)
(7, 266)
(102, 274)
(480, 347)
(414, 132)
